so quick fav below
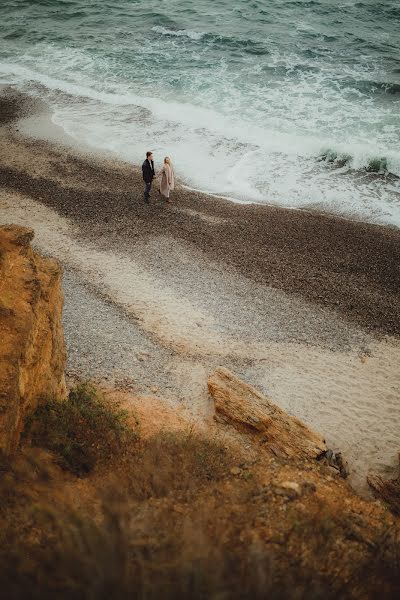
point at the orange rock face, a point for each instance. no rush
(32, 350)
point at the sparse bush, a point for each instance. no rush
(143, 549)
(168, 521)
(74, 558)
(171, 462)
(81, 431)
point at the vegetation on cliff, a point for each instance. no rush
(80, 431)
(110, 495)
(112, 513)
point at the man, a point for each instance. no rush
(148, 175)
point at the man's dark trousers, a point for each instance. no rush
(147, 188)
(148, 175)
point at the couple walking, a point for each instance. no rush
(166, 176)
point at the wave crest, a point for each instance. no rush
(381, 165)
(193, 35)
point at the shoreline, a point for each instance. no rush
(304, 306)
(39, 125)
(34, 121)
(313, 254)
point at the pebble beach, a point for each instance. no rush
(303, 305)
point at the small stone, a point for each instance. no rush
(235, 471)
(342, 465)
(253, 419)
(154, 389)
(290, 489)
(308, 487)
(344, 470)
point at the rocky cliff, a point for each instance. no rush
(135, 490)
(32, 351)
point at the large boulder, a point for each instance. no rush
(32, 350)
(247, 409)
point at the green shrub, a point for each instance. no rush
(82, 430)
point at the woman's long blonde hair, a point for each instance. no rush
(167, 161)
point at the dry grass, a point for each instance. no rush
(171, 522)
(129, 557)
(174, 463)
(76, 558)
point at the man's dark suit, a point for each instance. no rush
(148, 175)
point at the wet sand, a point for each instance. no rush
(304, 306)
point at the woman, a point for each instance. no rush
(167, 182)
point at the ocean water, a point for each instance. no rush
(294, 103)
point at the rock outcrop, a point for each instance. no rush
(387, 490)
(247, 409)
(32, 350)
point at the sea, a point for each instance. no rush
(283, 102)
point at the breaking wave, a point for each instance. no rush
(262, 104)
(193, 35)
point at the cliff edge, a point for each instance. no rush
(32, 350)
(249, 505)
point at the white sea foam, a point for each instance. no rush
(265, 150)
(193, 35)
